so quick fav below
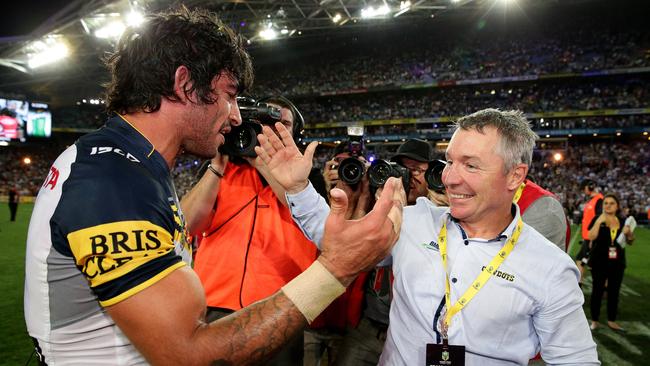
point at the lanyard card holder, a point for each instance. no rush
(445, 355)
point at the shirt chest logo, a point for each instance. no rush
(431, 246)
(503, 275)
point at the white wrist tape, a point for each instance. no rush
(313, 290)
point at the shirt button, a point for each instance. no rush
(454, 280)
(466, 242)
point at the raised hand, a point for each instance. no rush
(284, 161)
(351, 246)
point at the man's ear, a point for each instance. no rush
(182, 83)
(517, 176)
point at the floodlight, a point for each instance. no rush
(404, 6)
(372, 12)
(134, 19)
(111, 30)
(46, 51)
(268, 34)
(284, 31)
(337, 17)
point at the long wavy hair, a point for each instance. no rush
(144, 63)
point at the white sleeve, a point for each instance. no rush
(309, 210)
(560, 322)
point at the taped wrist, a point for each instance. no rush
(313, 290)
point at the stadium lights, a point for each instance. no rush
(404, 6)
(49, 50)
(134, 19)
(372, 12)
(336, 18)
(111, 30)
(268, 34)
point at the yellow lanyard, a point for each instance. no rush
(612, 234)
(482, 278)
(520, 190)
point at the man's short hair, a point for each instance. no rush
(144, 63)
(517, 139)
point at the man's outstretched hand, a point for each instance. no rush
(285, 163)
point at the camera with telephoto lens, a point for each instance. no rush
(381, 170)
(352, 169)
(433, 175)
(242, 139)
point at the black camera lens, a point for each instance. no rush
(241, 140)
(351, 170)
(244, 139)
(381, 170)
(433, 175)
(379, 173)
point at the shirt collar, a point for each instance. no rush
(134, 137)
(505, 234)
(138, 144)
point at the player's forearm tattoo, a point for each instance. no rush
(258, 331)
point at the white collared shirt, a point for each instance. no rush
(533, 303)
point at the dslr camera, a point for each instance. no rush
(351, 169)
(242, 139)
(433, 175)
(381, 170)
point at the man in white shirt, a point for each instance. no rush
(526, 301)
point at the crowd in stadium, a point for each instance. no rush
(445, 102)
(441, 102)
(452, 59)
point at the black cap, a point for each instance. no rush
(415, 149)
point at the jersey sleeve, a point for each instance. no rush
(116, 221)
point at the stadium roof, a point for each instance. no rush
(80, 23)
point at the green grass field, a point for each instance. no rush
(631, 348)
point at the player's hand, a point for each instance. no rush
(352, 246)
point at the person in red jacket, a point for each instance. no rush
(542, 210)
(251, 246)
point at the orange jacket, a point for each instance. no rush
(252, 247)
(589, 214)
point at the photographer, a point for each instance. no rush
(415, 155)
(359, 197)
(250, 247)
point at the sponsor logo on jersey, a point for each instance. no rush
(97, 150)
(52, 178)
(108, 251)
